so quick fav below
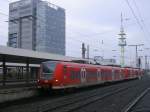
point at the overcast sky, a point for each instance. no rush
(92, 21)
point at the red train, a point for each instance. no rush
(61, 75)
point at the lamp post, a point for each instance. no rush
(146, 60)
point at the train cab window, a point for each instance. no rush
(48, 68)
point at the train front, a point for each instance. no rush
(46, 75)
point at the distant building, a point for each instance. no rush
(109, 62)
(103, 61)
(37, 25)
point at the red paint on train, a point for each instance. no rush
(61, 75)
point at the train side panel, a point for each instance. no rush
(70, 75)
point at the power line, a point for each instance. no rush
(137, 20)
(137, 8)
(140, 15)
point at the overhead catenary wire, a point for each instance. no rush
(137, 20)
(140, 16)
(145, 30)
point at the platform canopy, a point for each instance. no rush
(16, 55)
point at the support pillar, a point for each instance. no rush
(22, 75)
(4, 70)
(27, 71)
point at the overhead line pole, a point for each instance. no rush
(136, 48)
(83, 50)
(88, 53)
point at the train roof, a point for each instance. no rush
(84, 62)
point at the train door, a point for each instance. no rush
(113, 74)
(120, 74)
(130, 76)
(102, 75)
(110, 74)
(99, 77)
(123, 73)
(83, 75)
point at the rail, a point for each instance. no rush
(76, 104)
(129, 107)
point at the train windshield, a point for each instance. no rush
(48, 69)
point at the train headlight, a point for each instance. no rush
(56, 80)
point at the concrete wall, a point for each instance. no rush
(15, 94)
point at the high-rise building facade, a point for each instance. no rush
(37, 25)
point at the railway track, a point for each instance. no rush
(78, 104)
(82, 102)
(75, 101)
(75, 104)
(132, 104)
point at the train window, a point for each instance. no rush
(75, 75)
(72, 74)
(130, 72)
(102, 74)
(90, 74)
(78, 75)
(65, 69)
(48, 68)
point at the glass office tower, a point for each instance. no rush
(37, 25)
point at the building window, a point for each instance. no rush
(13, 40)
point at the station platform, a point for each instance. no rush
(17, 91)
